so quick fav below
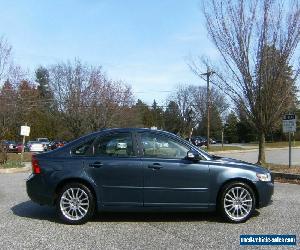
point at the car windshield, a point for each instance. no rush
(43, 140)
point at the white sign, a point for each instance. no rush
(289, 123)
(25, 130)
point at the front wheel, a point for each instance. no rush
(237, 202)
(76, 204)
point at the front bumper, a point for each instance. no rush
(265, 191)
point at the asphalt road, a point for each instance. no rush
(277, 156)
(25, 225)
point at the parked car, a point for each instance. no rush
(55, 144)
(19, 147)
(10, 146)
(197, 140)
(36, 146)
(142, 169)
(44, 141)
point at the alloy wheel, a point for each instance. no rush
(74, 203)
(238, 203)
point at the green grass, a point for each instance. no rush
(225, 148)
(14, 160)
(12, 164)
(281, 144)
(17, 157)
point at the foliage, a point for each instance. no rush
(257, 40)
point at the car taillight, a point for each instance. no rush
(36, 169)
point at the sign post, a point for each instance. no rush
(25, 131)
(289, 126)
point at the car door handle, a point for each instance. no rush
(155, 166)
(96, 164)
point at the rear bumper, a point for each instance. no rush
(37, 190)
(265, 191)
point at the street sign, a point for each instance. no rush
(25, 130)
(289, 123)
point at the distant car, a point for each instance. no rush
(36, 146)
(56, 144)
(143, 169)
(197, 140)
(19, 147)
(10, 146)
(213, 141)
(44, 141)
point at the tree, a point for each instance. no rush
(5, 58)
(183, 99)
(156, 113)
(257, 40)
(142, 114)
(8, 110)
(172, 118)
(230, 128)
(189, 102)
(87, 100)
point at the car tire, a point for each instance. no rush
(237, 202)
(75, 204)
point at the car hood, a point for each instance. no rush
(230, 162)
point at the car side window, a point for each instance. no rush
(156, 145)
(83, 148)
(115, 145)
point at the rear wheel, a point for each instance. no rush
(237, 202)
(75, 204)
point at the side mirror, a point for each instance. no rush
(193, 155)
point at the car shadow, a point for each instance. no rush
(29, 209)
(157, 217)
(161, 217)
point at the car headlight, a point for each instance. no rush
(264, 177)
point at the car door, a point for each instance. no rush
(169, 178)
(116, 170)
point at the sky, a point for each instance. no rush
(146, 43)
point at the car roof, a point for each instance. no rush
(107, 130)
(132, 130)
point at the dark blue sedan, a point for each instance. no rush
(135, 169)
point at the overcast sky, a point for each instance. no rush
(146, 43)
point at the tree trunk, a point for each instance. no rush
(261, 149)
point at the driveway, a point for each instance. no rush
(25, 225)
(277, 156)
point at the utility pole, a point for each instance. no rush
(208, 74)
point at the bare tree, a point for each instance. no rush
(5, 58)
(190, 103)
(85, 97)
(257, 40)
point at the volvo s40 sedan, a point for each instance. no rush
(142, 169)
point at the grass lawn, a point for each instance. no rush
(17, 157)
(280, 144)
(12, 164)
(14, 160)
(282, 168)
(225, 148)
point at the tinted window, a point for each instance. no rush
(83, 148)
(117, 144)
(156, 145)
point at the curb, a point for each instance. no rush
(285, 176)
(15, 170)
(25, 169)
